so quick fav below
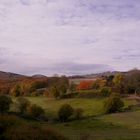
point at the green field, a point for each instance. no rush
(129, 119)
(95, 125)
(91, 107)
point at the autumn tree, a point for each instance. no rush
(119, 82)
(85, 85)
(101, 82)
(16, 90)
(55, 92)
(132, 81)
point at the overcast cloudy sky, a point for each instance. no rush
(69, 36)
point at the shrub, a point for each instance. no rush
(78, 113)
(35, 111)
(5, 102)
(22, 104)
(65, 112)
(113, 104)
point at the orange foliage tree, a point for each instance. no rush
(85, 85)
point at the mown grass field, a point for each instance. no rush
(95, 125)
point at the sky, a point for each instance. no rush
(69, 36)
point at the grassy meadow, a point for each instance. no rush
(94, 125)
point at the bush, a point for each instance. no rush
(113, 104)
(22, 104)
(65, 112)
(5, 102)
(78, 113)
(35, 111)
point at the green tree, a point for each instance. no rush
(113, 104)
(5, 102)
(22, 104)
(35, 111)
(65, 112)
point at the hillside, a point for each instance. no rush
(9, 76)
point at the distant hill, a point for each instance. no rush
(97, 75)
(39, 76)
(10, 76)
(14, 76)
(4, 76)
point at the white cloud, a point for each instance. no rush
(43, 33)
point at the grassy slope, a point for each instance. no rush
(129, 119)
(97, 129)
(112, 127)
(91, 107)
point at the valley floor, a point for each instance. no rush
(94, 125)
